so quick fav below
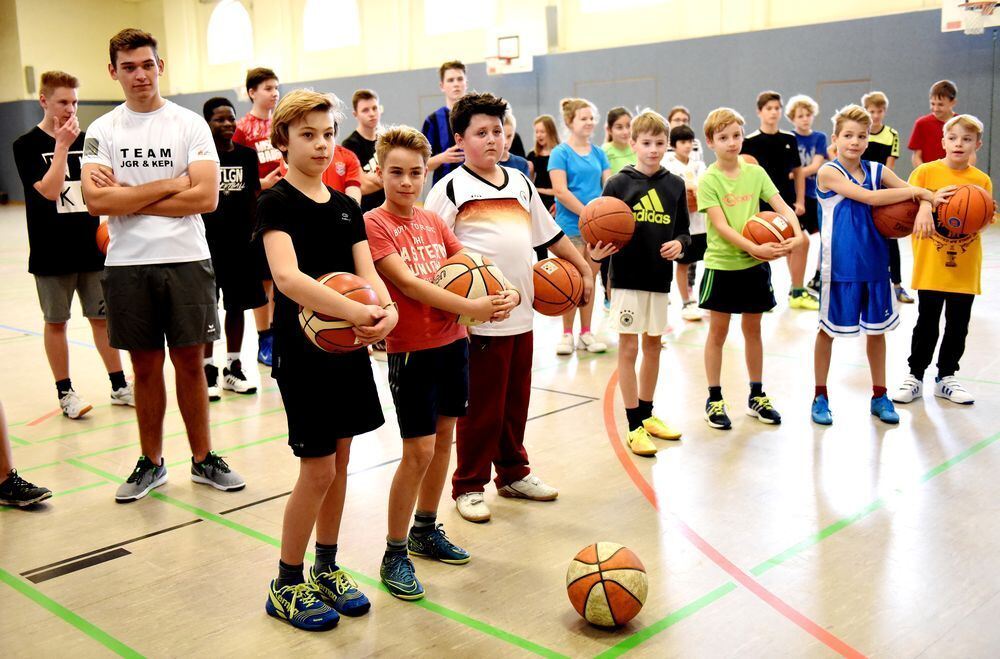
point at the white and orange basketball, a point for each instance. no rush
(607, 584)
(334, 334)
(472, 276)
(767, 227)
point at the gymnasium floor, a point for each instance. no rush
(790, 541)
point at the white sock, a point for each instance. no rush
(230, 358)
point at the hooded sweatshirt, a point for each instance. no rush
(659, 206)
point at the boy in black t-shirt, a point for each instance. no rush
(228, 230)
(368, 112)
(64, 257)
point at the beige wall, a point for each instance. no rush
(11, 73)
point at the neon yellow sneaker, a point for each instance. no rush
(657, 428)
(803, 300)
(640, 442)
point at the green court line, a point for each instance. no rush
(67, 616)
(63, 493)
(461, 618)
(18, 440)
(41, 466)
(238, 447)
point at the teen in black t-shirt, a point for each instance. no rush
(364, 149)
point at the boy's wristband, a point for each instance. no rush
(391, 304)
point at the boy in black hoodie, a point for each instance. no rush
(641, 273)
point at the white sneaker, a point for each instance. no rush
(234, 380)
(212, 378)
(690, 311)
(529, 487)
(590, 344)
(949, 387)
(472, 507)
(910, 390)
(73, 406)
(565, 345)
(123, 396)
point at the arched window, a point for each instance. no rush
(328, 24)
(230, 33)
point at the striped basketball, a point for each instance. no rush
(767, 227)
(896, 220)
(333, 334)
(472, 276)
(607, 584)
(103, 238)
(558, 287)
(967, 211)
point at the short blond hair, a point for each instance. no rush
(53, 80)
(570, 106)
(719, 118)
(800, 101)
(296, 105)
(875, 99)
(650, 122)
(966, 121)
(401, 137)
(854, 113)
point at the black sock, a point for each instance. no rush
(395, 546)
(423, 522)
(715, 393)
(117, 379)
(756, 389)
(63, 386)
(326, 558)
(289, 575)
(634, 416)
(645, 408)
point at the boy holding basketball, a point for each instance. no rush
(309, 230)
(680, 160)
(737, 277)
(946, 268)
(641, 273)
(497, 212)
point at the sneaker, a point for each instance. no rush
(264, 346)
(715, 414)
(690, 311)
(529, 487)
(399, 577)
(212, 377)
(435, 544)
(123, 396)
(883, 408)
(215, 472)
(234, 380)
(143, 478)
(300, 607)
(472, 507)
(949, 387)
(803, 300)
(814, 285)
(607, 304)
(760, 408)
(15, 491)
(565, 345)
(340, 591)
(659, 429)
(910, 390)
(902, 296)
(73, 406)
(821, 411)
(640, 443)
(589, 343)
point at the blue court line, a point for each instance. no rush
(21, 330)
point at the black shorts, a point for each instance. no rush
(239, 284)
(147, 303)
(696, 252)
(427, 384)
(737, 291)
(322, 407)
(810, 219)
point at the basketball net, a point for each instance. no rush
(974, 17)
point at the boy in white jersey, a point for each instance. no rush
(497, 212)
(152, 166)
(680, 160)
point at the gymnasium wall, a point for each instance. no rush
(901, 54)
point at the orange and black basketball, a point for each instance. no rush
(692, 200)
(968, 211)
(558, 287)
(103, 238)
(472, 276)
(767, 227)
(608, 220)
(334, 334)
(607, 584)
(896, 220)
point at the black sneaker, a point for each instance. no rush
(15, 491)
(234, 380)
(715, 414)
(813, 285)
(760, 408)
(212, 377)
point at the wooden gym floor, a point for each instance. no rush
(789, 541)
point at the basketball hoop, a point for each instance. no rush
(974, 16)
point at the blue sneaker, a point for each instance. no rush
(883, 408)
(300, 606)
(399, 577)
(821, 411)
(340, 591)
(435, 544)
(265, 344)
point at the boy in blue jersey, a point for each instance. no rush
(801, 111)
(855, 294)
(437, 127)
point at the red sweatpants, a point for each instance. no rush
(492, 432)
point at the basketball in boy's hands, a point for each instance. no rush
(607, 220)
(767, 227)
(692, 200)
(967, 211)
(607, 584)
(103, 238)
(558, 287)
(896, 220)
(472, 276)
(748, 159)
(334, 334)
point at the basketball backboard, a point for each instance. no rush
(960, 15)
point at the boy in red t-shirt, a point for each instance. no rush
(344, 173)
(428, 355)
(928, 130)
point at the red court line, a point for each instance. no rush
(47, 415)
(743, 578)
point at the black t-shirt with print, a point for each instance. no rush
(364, 149)
(778, 154)
(230, 226)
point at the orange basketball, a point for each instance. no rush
(748, 159)
(767, 227)
(692, 199)
(967, 211)
(472, 276)
(608, 220)
(896, 220)
(607, 584)
(334, 334)
(103, 238)
(558, 287)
